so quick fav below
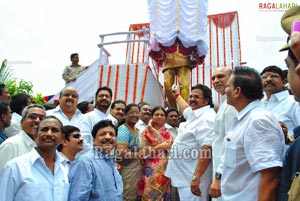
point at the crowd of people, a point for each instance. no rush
(247, 148)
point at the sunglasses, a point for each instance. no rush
(33, 116)
(76, 135)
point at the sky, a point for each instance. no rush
(37, 37)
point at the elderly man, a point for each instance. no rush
(67, 111)
(117, 112)
(291, 165)
(278, 100)
(93, 176)
(71, 144)
(40, 174)
(103, 98)
(223, 122)
(5, 119)
(190, 156)
(252, 163)
(24, 141)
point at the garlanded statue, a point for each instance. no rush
(178, 40)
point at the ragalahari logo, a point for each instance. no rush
(275, 7)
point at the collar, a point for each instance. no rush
(98, 112)
(280, 95)
(141, 122)
(16, 116)
(223, 98)
(113, 119)
(34, 156)
(198, 112)
(58, 109)
(28, 141)
(248, 108)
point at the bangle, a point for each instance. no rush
(176, 96)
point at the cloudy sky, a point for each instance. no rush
(37, 37)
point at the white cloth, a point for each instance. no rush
(284, 107)
(141, 126)
(172, 130)
(255, 143)
(15, 125)
(15, 146)
(185, 194)
(192, 135)
(190, 27)
(113, 119)
(223, 123)
(75, 121)
(27, 178)
(86, 126)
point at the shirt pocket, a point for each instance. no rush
(230, 154)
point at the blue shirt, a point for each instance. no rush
(291, 165)
(93, 176)
(2, 137)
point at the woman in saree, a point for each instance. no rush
(154, 185)
(127, 151)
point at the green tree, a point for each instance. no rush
(5, 72)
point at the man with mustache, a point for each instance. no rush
(145, 116)
(93, 176)
(103, 98)
(67, 111)
(189, 164)
(278, 100)
(40, 174)
(71, 144)
(117, 112)
(24, 141)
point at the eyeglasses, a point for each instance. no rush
(272, 76)
(76, 135)
(33, 116)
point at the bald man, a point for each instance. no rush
(223, 123)
(67, 111)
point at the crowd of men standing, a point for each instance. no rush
(246, 149)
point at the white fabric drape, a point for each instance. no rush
(182, 19)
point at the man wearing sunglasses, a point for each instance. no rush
(24, 141)
(72, 143)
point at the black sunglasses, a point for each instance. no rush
(33, 116)
(76, 135)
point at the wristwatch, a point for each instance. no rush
(195, 177)
(218, 175)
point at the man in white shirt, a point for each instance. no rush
(145, 116)
(67, 111)
(278, 100)
(117, 112)
(103, 99)
(223, 123)
(24, 141)
(254, 147)
(190, 158)
(72, 143)
(17, 103)
(172, 121)
(40, 174)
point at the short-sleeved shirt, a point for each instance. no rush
(125, 136)
(192, 135)
(255, 143)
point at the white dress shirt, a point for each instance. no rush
(27, 178)
(192, 135)
(172, 130)
(223, 123)
(15, 125)
(113, 119)
(86, 127)
(284, 107)
(75, 121)
(141, 126)
(15, 146)
(255, 143)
